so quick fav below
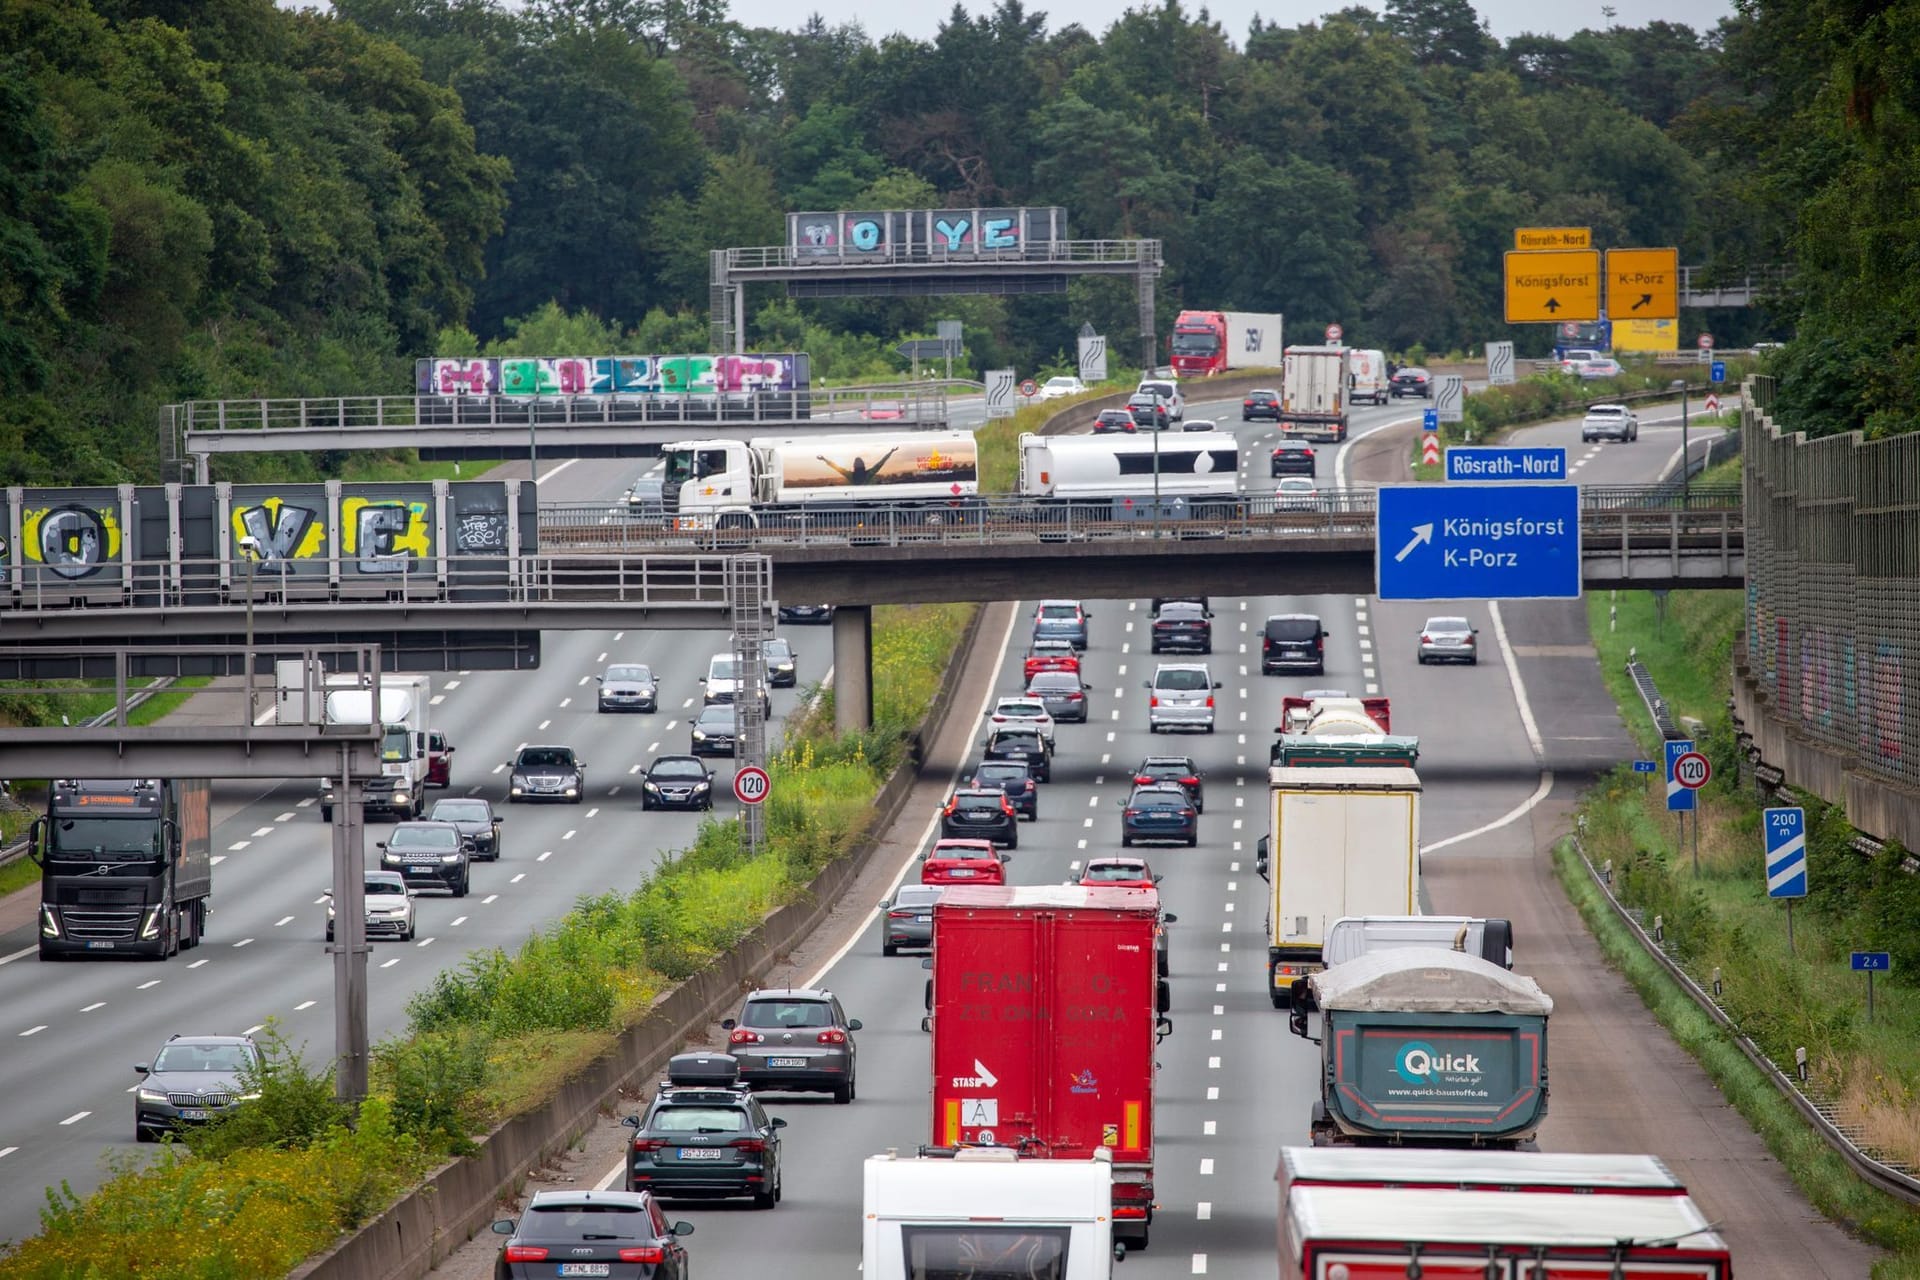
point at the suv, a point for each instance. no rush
(1293, 642)
(1061, 620)
(546, 773)
(1180, 696)
(1291, 458)
(430, 852)
(389, 906)
(705, 1134)
(1016, 743)
(1261, 403)
(1015, 779)
(1179, 624)
(1179, 770)
(479, 824)
(1161, 811)
(781, 670)
(600, 1233)
(723, 681)
(1611, 422)
(982, 813)
(194, 1078)
(713, 731)
(1169, 393)
(1024, 712)
(798, 1040)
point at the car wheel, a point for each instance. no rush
(1473, 661)
(1193, 842)
(576, 800)
(763, 1199)
(326, 813)
(779, 1187)
(843, 1093)
(460, 890)
(143, 1134)
(645, 804)
(888, 949)
(1421, 658)
(329, 933)
(1013, 839)
(1126, 842)
(411, 931)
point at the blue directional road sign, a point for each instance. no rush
(1506, 465)
(1430, 420)
(1719, 371)
(1478, 542)
(1872, 961)
(1679, 798)
(1786, 832)
(1646, 766)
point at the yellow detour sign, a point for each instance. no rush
(1528, 238)
(1563, 284)
(1643, 284)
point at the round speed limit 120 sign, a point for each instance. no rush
(1692, 771)
(750, 785)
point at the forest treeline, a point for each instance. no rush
(222, 198)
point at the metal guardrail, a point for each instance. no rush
(1892, 1179)
(1038, 253)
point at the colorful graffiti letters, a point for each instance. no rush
(612, 375)
(72, 541)
(383, 535)
(285, 532)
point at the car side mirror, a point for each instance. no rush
(683, 1228)
(777, 1123)
(379, 844)
(504, 1227)
(1158, 878)
(1146, 684)
(326, 893)
(631, 1122)
(1218, 685)
(141, 1069)
(926, 962)
(1169, 917)
(1300, 995)
(1476, 631)
(1163, 996)
(885, 904)
(700, 679)
(728, 1024)
(599, 679)
(853, 1024)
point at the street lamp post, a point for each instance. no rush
(1686, 452)
(250, 547)
(1157, 429)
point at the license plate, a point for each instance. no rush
(99, 946)
(586, 1269)
(193, 1113)
(701, 1153)
(786, 1062)
(924, 919)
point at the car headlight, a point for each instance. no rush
(573, 791)
(152, 1095)
(653, 786)
(701, 786)
(248, 1097)
(451, 857)
(390, 856)
(699, 735)
(519, 781)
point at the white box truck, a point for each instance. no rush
(985, 1211)
(725, 484)
(1342, 841)
(401, 788)
(1313, 394)
(1368, 373)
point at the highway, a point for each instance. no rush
(76, 1029)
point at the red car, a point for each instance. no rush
(963, 862)
(1052, 655)
(1120, 872)
(439, 761)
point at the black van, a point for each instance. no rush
(1293, 642)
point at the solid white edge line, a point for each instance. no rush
(913, 856)
(1533, 739)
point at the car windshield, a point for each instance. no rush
(720, 717)
(1158, 800)
(385, 889)
(1157, 389)
(1016, 741)
(1066, 383)
(699, 1119)
(1447, 624)
(1605, 411)
(722, 669)
(1411, 373)
(460, 811)
(1056, 682)
(1182, 680)
(598, 1221)
(228, 1058)
(678, 768)
(1297, 484)
(637, 675)
(991, 801)
(914, 895)
(1182, 612)
(1263, 395)
(546, 758)
(1022, 710)
(786, 1013)
(778, 649)
(999, 773)
(1065, 612)
(1115, 871)
(424, 838)
(1167, 768)
(1052, 649)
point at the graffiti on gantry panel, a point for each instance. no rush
(70, 540)
(921, 234)
(678, 375)
(378, 535)
(286, 532)
(383, 535)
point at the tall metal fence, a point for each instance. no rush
(1833, 615)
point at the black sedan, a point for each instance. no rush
(1412, 381)
(1180, 627)
(1015, 779)
(1151, 412)
(1260, 404)
(806, 613)
(1180, 770)
(479, 824)
(981, 814)
(1291, 458)
(614, 1234)
(677, 782)
(1113, 421)
(713, 732)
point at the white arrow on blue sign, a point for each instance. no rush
(1679, 798)
(1430, 420)
(1786, 834)
(1478, 542)
(1719, 371)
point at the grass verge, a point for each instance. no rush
(495, 1035)
(1815, 1167)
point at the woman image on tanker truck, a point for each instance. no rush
(860, 472)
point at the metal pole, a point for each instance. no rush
(253, 711)
(1789, 926)
(533, 432)
(1156, 470)
(1696, 838)
(1686, 454)
(349, 938)
(1869, 996)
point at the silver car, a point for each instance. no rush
(1180, 696)
(628, 686)
(797, 1040)
(908, 918)
(1449, 640)
(1062, 693)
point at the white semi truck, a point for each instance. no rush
(1314, 393)
(986, 1211)
(743, 484)
(404, 702)
(1196, 474)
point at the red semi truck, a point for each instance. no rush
(1204, 343)
(1047, 1005)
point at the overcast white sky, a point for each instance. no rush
(1506, 17)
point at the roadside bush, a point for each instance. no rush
(435, 1080)
(293, 1105)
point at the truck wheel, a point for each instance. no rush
(326, 813)
(1273, 994)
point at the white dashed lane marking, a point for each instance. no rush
(263, 831)
(78, 1116)
(304, 1005)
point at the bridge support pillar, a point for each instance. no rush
(852, 667)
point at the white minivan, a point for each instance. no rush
(723, 680)
(1368, 373)
(1167, 389)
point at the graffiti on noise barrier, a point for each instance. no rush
(669, 375)
(377, 535)
(71, 540)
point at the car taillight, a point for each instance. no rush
(1209, 700)
(649, 1144)
(1189, 782)
(1141, 779)
(1006, 806)
(1246, 404)
(642, 1253)
(1153, 699)
(1075, 697)
(1133, 813)
(900, 915)
(525, 1253)
(1321, 644)
(741, 1035)
(755, 1145)
(1425, 638)
(951, 805)
(1188, 813)
(832, 1035)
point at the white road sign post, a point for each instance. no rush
(1000, 385)
(1499, 364)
